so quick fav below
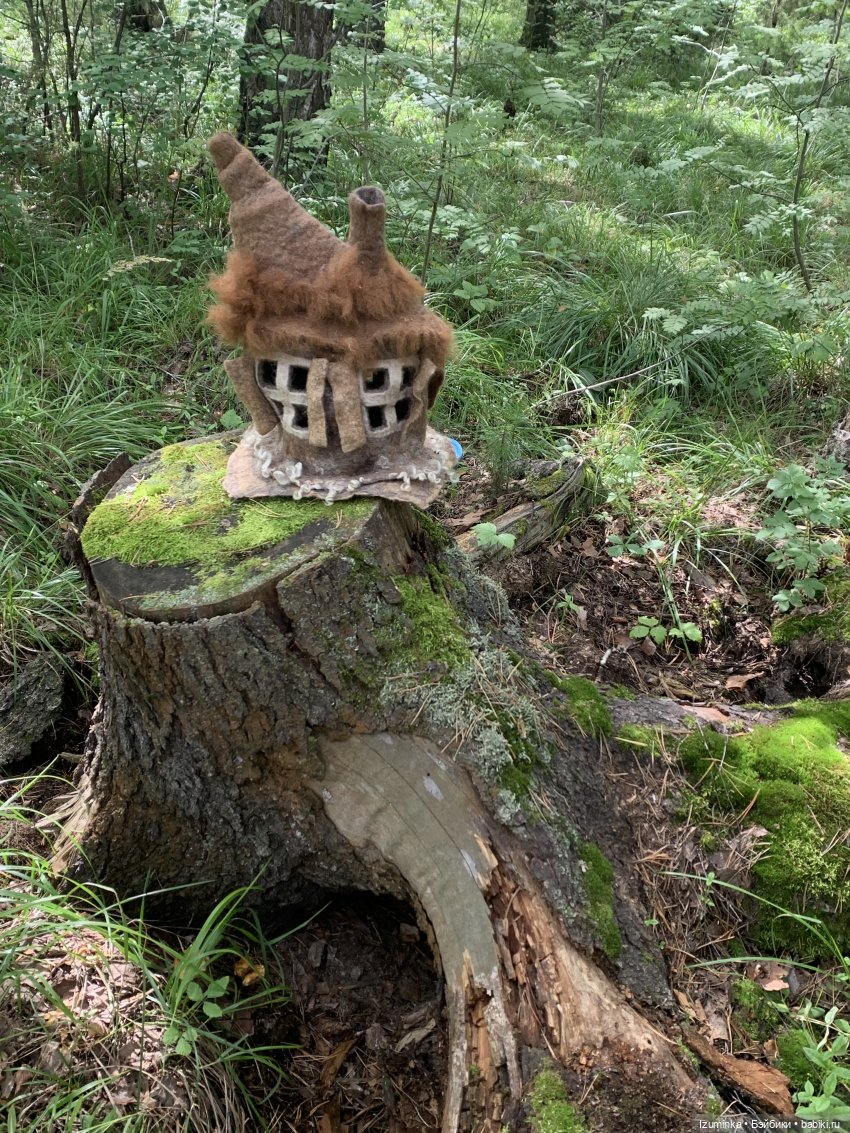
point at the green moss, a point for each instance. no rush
(621, 692)
(436, 634)
(835, 714)
(692, 807)
(551, 1112)
(792, 1061)
(585, 704)
(437, 534)
(517, 780)
(792, 749)
(639, 738)
(755, 1012)
(719, 764)
(686, 1055)
(832, 624)
(180, 515)
(713, 1105)
(708, 841)
(599, 890)
(794, 780)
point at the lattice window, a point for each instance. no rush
(385, 391)
(284, 381)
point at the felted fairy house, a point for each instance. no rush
(342, 359)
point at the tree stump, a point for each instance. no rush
(324, 698)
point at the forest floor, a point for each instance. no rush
(578, 603)
(362, 1017)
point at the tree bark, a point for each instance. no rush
(273, 97)
(350, 708)
(538, 32)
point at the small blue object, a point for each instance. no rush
(458, 447)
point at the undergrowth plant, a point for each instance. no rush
(814, 1048)
(805, 533)
(614, 215)
(825, 1092)
(104, 1012)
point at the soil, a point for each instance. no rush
(366, 1013)
(579, 605)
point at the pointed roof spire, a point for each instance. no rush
(265, 219)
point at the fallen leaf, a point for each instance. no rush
(704, 712)
(648, 647)
(123, 1098)
(329, 1122)
(247, 972)
(685, 1003)
(334, 1061)
(717, 1021)
(741, 680)
(774, 985)
(413, 1037)
(774, 976)
(53, 1019)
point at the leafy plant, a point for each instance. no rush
(634, 545)
(659, 633)
(802, 532)
(821, 1035)
(488, 535)
(829, 1098)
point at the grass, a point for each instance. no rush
(570, 262)
(110, 1023)
(105, 353)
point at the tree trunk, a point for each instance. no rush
(538, 32)
(39, 44)
(329, 698)
(273, 97)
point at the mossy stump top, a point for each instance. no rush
(168, 544)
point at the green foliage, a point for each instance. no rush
(488, 535)
(174, 1004)
(812, 507)
(814, 1055)
(652, 628)
(618, 210)
(831, 624)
